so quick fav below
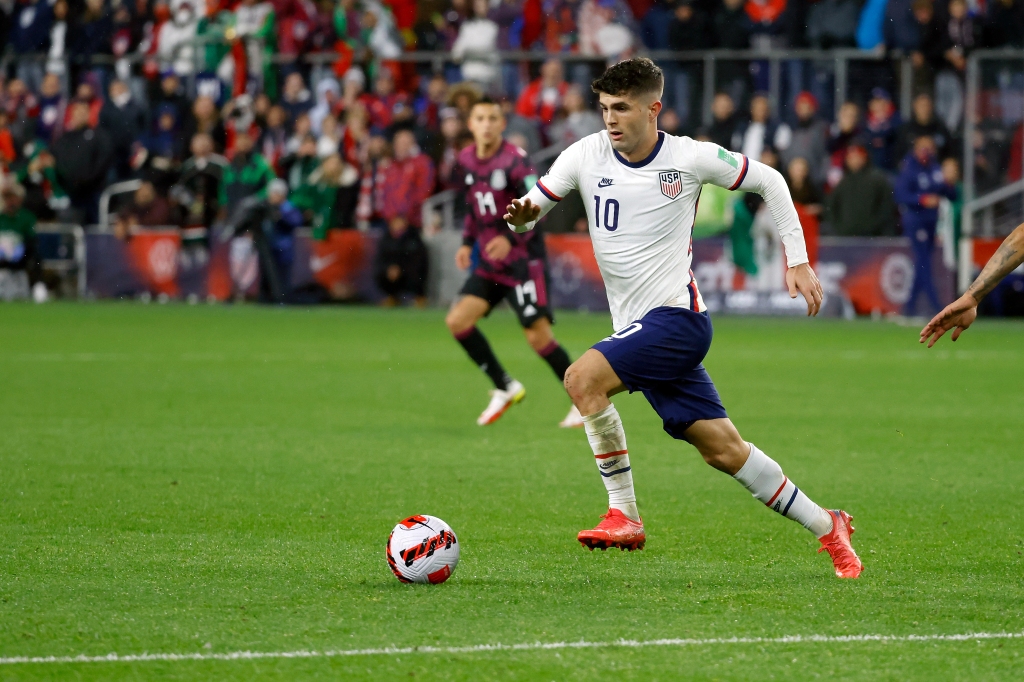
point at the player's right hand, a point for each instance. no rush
(519, 213)
(958, 316)
(463, 257)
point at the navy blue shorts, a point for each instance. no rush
(660, 355)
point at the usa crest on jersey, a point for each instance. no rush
(671, 183)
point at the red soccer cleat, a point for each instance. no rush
(616, 530)
(837, 543)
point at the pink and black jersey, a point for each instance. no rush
(491, 184)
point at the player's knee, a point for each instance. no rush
(726, 454)
(456, 323)
(577, 383)
(539, 339)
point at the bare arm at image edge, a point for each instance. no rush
(961, 313)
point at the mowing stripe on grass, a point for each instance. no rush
(484, 648)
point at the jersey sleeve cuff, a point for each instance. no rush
(522, 228)
(548, 193)
(468, 241)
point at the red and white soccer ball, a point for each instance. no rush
(422, 549)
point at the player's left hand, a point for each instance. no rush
(498, 248)
(958, 316)
(801, 279)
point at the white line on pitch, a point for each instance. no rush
(534, 646)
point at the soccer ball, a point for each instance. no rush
(422, 549)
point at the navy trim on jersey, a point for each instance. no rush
(743, 173)
(615, 473)
(650, 157)
(548, 193)
(796, 491)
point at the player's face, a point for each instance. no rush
(629, 120)
(487, 123)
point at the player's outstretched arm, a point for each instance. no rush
(961, 313)
(521, 214)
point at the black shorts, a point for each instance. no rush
(529, 298)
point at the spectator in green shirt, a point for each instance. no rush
(247, 175)
(19, 253)
(324, 200)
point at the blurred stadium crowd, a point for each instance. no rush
(312, 105)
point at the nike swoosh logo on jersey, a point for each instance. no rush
(605, 182)
(608, 464)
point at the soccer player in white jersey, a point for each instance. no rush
(640, 187)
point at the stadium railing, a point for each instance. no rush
(993, 124)
(125, 187)
(831, 66)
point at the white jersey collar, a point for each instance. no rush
(646, 160)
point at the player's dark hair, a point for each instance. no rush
(632, 77)
(486, 100)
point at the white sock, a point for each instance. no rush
(608, 440)
(763, 477)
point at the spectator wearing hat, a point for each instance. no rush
(881, 129)
(861, 205)
(270, 220)
(281, 224)
(328, 95)
(919, 188)
(165, 144)
(172, 94)
(809, 139)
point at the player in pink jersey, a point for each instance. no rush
(509, 266)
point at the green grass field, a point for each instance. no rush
(207, 480)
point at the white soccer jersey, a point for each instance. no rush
(642, 214)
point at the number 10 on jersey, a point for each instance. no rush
(611, 214)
